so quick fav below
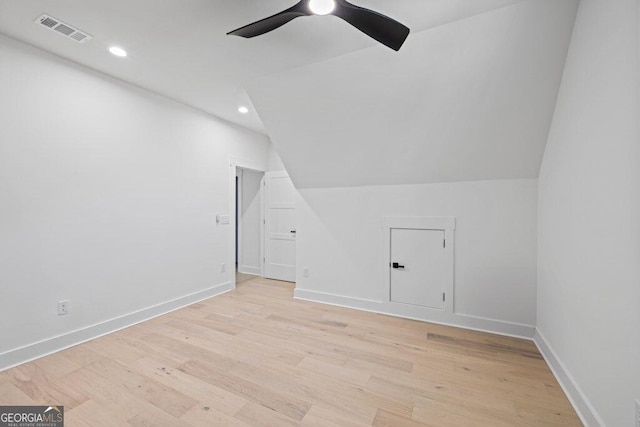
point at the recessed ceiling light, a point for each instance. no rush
(243, 110)
(322, 7)
(118, 51)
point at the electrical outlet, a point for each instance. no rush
(637, 412)
(306, 272)
(223, 267)
(63, 308)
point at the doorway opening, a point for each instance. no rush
(262, 234)
(249, 221)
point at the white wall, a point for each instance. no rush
(274, 163)
(589, 214)
(250, 215)
(108, 197)
(340, 240)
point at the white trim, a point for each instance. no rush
(247, 164)
(255, 271)
(338, 300)
(420, 222)
(239, 191)
(423, 314)
(578, 399)
(263, 221)
(51, 345)
(234, 164)
(448, 226)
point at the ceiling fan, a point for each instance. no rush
(387, 31)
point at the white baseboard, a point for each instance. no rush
(51, 345)
(420, 313)
(581, 404)
(256, 271)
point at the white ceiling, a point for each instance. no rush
(179, 48)
(471, 100)
(470, 95)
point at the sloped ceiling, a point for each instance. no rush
(470, 95)
(179, 48)
(469, 100)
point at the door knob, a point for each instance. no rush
(396, 265)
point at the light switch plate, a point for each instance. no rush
(222, 219)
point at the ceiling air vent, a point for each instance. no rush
(64, 29)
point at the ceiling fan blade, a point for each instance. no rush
(386, 30)
(271, 23)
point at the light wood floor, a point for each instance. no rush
(257, 357)
(242, 277)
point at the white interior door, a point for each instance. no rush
(280, 227)
(417, 267)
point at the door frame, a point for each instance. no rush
(234, 164)
(446, 224)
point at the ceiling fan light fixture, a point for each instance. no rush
(322, 7)
(382, 28)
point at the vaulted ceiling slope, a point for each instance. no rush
(469, 100)
(179, 48)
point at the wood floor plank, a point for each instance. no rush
(159, 395)
(42, 386)
(389, 419)
(352, 376)
(232, 347)
(56, 366)
(433, 413)
(12, 395)
(320, 416)
(257, 415)
(81, 355)
(288, 406)
(490, 347)
(184, 351)
(203, 415)
(343, 398)
(154, 418)
(258, 357)
(110, 393)
(91, 413)
(208, 395)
